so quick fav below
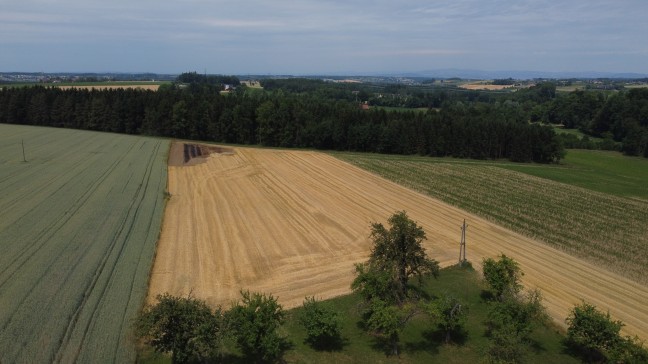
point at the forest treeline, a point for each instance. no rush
(609, 120)
(282, 119)
(308, 113)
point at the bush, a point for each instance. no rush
(185, 327)
(322, 325)
(503, 276)
(254, 323)
(510, 323)
(591, 333)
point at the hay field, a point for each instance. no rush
(484, 86)
(78, 226)
(293, 223)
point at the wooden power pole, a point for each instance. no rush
(23, 148)
(462, 244)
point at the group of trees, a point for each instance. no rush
(282, 119)
(390, 286)
(189, 330)
(513, 314)
(620, 118)
(316, 114)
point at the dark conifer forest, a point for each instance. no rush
(315, 114)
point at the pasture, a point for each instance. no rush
(78, 226)
(293, 223)
(602, 171)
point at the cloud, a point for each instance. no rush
(356, 33)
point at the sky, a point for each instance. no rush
(323, 37)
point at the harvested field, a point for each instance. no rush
(293, 223)
(111, 87)
(78, 226)
(609, 231)
(483, 86)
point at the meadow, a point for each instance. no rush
(602, 171)
(79, 220)
(593, 206)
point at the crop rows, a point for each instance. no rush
(78, 226)
(607, 230)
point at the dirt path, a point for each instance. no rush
(293, 223)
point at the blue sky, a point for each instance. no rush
(332, 37)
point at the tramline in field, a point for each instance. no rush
(78, 226)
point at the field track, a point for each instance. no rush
(78, 226)
(293, 223)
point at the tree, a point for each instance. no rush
(503, 276)
(185, 327)
(510, 323)
(398, 251)
(448, 313)
(322, 324)
(383, 281)
(388, 321)
(591, 332)
(254, 323)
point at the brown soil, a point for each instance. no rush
(189, 154)
(293, 223)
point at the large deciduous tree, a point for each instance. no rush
(399, 253)
(383, 281)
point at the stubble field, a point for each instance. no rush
(78, 226)
(293, 223)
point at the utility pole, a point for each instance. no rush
(23, 149)
(462, 244)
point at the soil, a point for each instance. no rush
(189, 154)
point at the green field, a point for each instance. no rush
(78, 226)
(602, 171)
(577, 207)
